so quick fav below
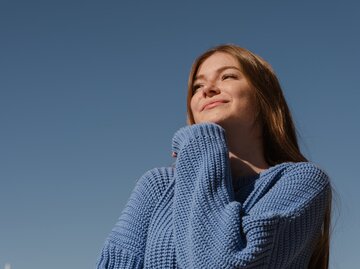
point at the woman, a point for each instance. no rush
(241, 194)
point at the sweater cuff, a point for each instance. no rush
(188, 133)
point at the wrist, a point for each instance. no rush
(186, 134)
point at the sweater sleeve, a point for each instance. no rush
(125, 246)
(212, 230)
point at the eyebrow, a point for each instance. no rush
(218, 71)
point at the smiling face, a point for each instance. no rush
(222, 94)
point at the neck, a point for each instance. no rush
(246, 154)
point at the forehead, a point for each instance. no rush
(217, 61)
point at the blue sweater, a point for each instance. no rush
(191, 215)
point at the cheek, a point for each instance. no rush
(194, 108)
(193, 105)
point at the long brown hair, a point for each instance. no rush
(278, 130)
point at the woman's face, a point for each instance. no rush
(222, 94)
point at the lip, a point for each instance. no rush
(213, 104)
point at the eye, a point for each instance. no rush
(229, 76)
(196, 87)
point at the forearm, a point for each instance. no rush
(205, 215)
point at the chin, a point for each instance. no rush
(219, 121)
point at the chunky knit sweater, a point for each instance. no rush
(192, 216)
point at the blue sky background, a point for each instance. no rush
(91, 93)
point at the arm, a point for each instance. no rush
(212, 230)
(125, 246)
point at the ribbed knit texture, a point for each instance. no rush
(190, 216)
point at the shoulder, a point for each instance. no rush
(291, 175)
(307, 174)
(289, 188)
(155, 180)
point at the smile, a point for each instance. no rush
(213, 104)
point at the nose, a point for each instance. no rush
(210, 90)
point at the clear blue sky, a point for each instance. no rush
(91, 93)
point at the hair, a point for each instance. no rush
(278, 130)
